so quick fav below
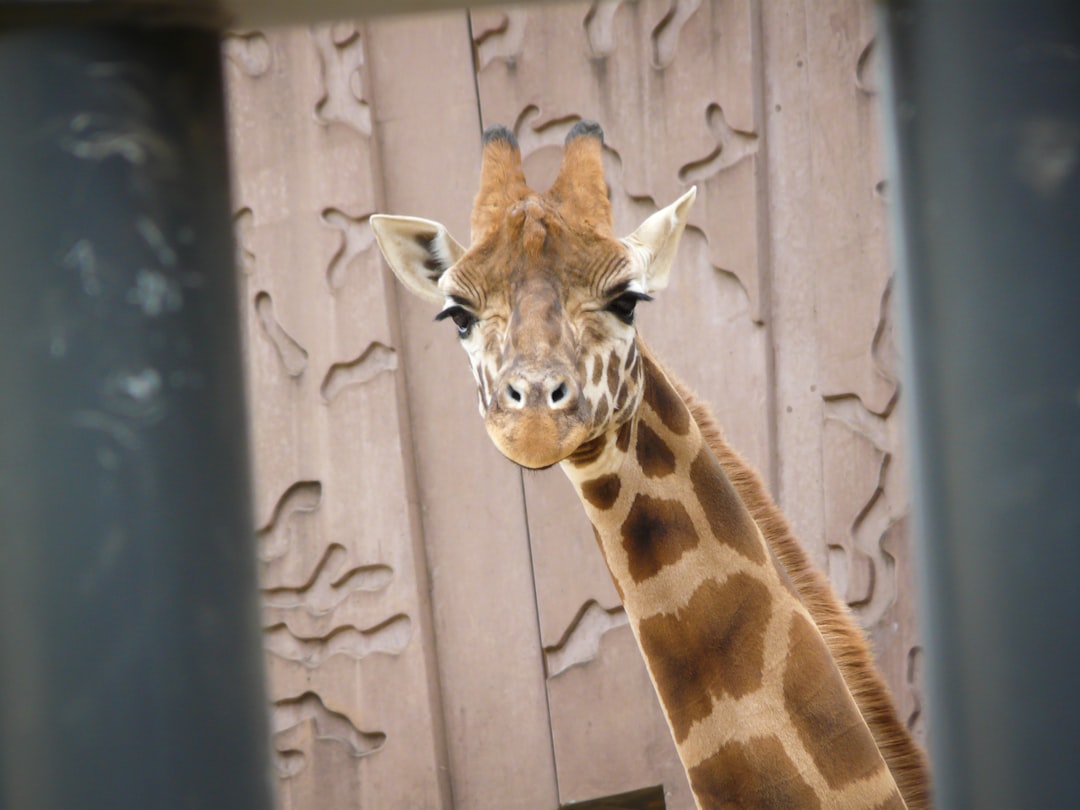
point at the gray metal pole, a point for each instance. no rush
(130, 664)
(985, 108)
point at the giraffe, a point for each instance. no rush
(765, 680)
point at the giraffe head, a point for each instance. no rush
(543, 298)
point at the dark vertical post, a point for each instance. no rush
(985, 114)
(130, 664)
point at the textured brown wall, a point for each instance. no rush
(440, 629)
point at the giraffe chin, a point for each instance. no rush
(536, 441)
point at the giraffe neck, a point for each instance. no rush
(759, 711)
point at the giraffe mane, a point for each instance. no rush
(844, 637)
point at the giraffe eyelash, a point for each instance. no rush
(622, 307)
(463, 319)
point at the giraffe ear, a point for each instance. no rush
(654, 243)
(418, 250)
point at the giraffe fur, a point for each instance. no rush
(722, 628)
(846, 640)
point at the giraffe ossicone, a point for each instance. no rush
(765, 680)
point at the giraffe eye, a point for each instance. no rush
(623, 306)
(463, 319)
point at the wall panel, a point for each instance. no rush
(840, 473)
(355, 699)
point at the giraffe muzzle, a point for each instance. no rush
(537, 420)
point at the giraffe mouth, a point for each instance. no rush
(536, 440)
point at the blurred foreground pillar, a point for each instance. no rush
(130, 659)
(985, 105)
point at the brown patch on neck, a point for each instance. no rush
(823, 713)
(602, 492)
(728, 518)
(653, 454)
(755, 773)
(714, 646)
(655, 534)
(664, 401)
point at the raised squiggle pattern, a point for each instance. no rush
(665, 37)
(879, 397)
(498, 35)
(870, 593)
(600, 27)
(341, 58)
(883, 353)
(328, 585)
(874, 533)
(289, 715)
(915, 720)
(534, 134)
(356, 239)
(731, 147)
(243, 225)
(581, 641)
(289, 756)
(275, 537)
(866, 69)
(861, 526)
(390, 638)
(375, 359)
(293, 356)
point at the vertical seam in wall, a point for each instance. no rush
(475, 70)
(765, 263)
(813, 247)
(418, 525)
(539, 638)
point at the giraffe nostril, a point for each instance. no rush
(562, 394)
(520, 392)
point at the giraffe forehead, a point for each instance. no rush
(536, 314)
(532, 242)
